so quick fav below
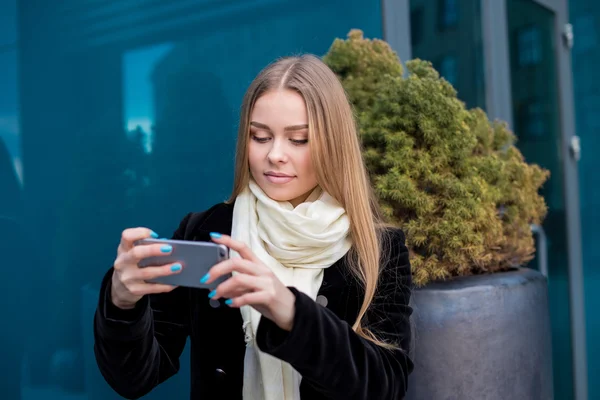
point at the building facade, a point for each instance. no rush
(97, 98)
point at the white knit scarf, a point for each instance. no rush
(297, 244)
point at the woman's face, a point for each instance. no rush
(279, 154)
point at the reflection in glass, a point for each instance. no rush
(9, 118)
(447, 68)
(448, 33)
(8, 23)
(139, 96)
(129, 114)
(15, 304)
(535, 96)
(448, 13)
(529, 45)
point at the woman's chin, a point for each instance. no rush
(278, 196)
(284, 192)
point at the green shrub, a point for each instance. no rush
(453, 180)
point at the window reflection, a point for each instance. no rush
(448, 33)
(9, 119)
(138, 66)
(416, 24)
(129, 117)
(535, 120)
(8, 24)
(448, 13)
(448, 69)
(179, 130)
(15, 243)
(529, 46)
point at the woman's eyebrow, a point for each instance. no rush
(287, 128)
(296, 127)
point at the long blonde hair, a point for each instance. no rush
(335, 147)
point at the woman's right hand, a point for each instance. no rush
(129, 280)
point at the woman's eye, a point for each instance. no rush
(299, 141)
(260, 139)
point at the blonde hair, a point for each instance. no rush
(335, 147)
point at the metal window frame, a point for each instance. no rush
(396, 27)
(496, 58)
(499, 104)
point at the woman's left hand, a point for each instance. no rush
(254, 285)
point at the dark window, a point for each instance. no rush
(416, 25)
(531, 120)
(447, 68)
(447, 14)
(529, 46)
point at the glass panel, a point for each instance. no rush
(9, 113)
(447, 14)
(537, 125)
(585, 16)
(448, 33)
(128, 112)
(12, 298)
(8, 23)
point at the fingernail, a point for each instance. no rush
(212, 294)
(229, 302)
(205, 278)
(154, 234)
(166, 248)
(215, 235)
(176, 267)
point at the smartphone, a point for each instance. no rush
(196, 258)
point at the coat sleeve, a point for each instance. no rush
(139, 348)
(326, 351)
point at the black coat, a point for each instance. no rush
(138, 349)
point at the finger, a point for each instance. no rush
(228, 266)
(144, 251)
(142, 289)
(234, 293)
(131, 235)
(249, 299)
(241, 248)
(148, 273)
(238, 285)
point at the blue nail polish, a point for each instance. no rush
(229, 302)
(166, 248)
(176, 267)
(215, 235)
(212, 294)
(205, 278)
(154, 234)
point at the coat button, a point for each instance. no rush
(322, 300)
(220, 374)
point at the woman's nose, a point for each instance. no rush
(277, 154)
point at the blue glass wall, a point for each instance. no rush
(120, 113)
(13, 298)
(585, 17)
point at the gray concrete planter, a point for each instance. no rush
(483, 337)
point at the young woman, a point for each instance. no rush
(317, 306)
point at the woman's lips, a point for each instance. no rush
(279, 180)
